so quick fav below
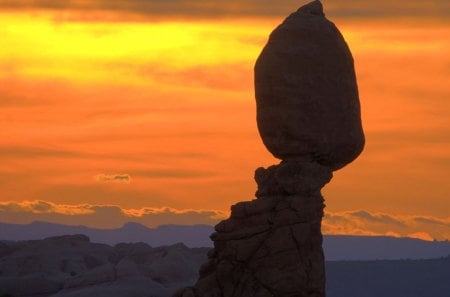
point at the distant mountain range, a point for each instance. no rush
(191, 236)
(336, 247)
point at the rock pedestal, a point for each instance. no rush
(271, 246)
(308, 115)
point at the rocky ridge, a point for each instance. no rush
(67, 266)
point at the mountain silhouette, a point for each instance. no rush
(337, 247)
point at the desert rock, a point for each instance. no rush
(306, 92)
(270, 246)
(70, 266)
(308, 115)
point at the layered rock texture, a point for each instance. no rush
(271, 246)
(308, 115)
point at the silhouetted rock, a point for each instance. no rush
(309, 116)
(271, 246)
(69, 266)
(306, 92)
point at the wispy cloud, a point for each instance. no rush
(40, 207)
(110, 216)
(377, 218)
(113, 178)
(367, 223)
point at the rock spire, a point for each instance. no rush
(308, 116)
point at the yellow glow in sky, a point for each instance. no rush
(39, 47)
(171, 104)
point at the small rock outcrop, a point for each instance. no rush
(308, 116)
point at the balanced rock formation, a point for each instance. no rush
(306, 92)
(308, 115)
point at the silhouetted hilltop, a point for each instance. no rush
(337, 247)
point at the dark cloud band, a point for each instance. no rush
(243, 8)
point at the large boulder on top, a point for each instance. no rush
(306, 92)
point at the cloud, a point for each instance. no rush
(377, 218)
(432, 221)
(242, 8)
(103, 216)
(366, 223)
(385, 8)
(421, 235)
(113, 178)
(40, 207)
(113, 216)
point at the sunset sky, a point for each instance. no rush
(143, 110)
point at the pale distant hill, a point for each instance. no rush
(337, 247)
(191, 236)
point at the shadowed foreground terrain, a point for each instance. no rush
(69, 266)
(73, 266)
(390, 278)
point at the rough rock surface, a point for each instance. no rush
(271, 246)
(308, 115)
(70, 266)
(306, 92)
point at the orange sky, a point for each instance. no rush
(103, 107)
